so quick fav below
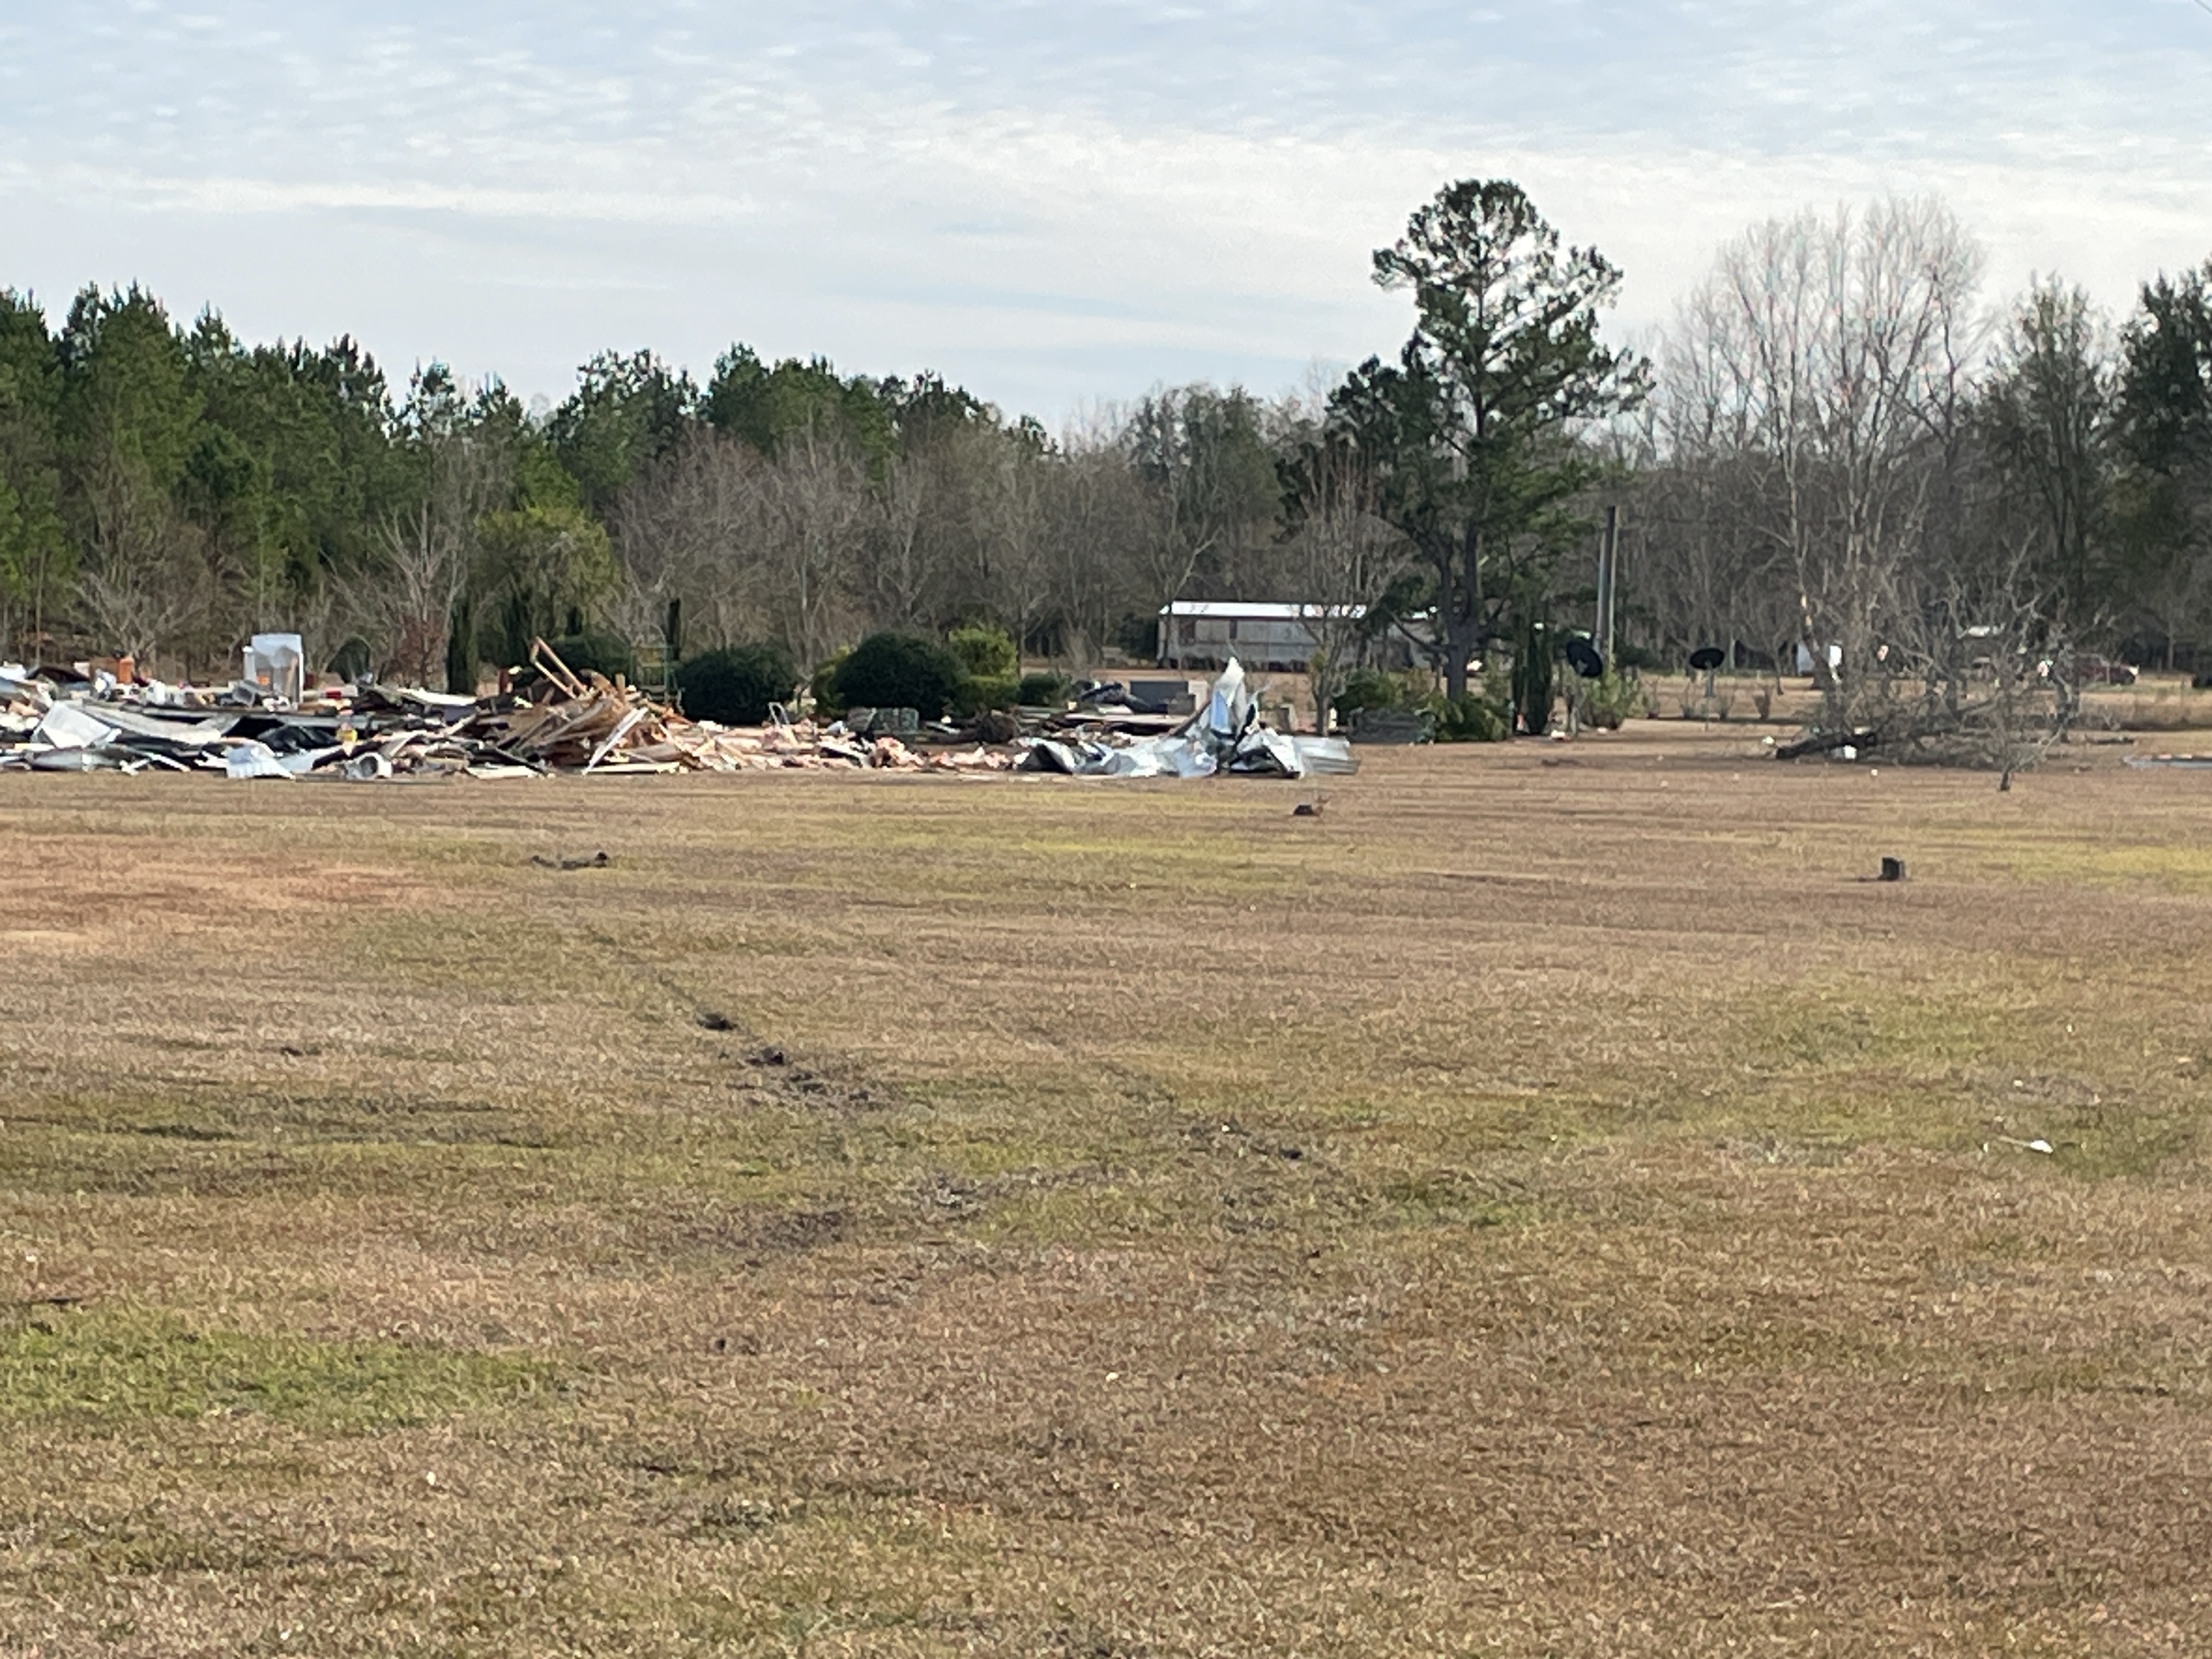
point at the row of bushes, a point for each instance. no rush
(1489, 716)
(975, 669)
(1477, 717)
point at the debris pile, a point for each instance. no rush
(85, 721)
(1226, 735)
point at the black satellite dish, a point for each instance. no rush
(1581, 656)
(1706, 658)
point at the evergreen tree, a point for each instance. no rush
(1470, 431)
(37, 571)
(129, 425)
(626, 413)
(2166, 436)
(766, 406)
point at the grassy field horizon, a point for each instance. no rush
(1551, 1202)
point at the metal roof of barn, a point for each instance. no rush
(1259, 611)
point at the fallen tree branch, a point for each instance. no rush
(1827, 743)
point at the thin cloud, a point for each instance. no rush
(1063, 202)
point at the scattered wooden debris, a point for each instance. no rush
(563, 720)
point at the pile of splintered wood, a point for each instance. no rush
(587, 722)
(584, 722)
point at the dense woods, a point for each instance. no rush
(1838, 441)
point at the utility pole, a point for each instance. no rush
(1608, 577)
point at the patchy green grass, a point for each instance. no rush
(114, 1365)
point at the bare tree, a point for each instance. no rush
(981, 536)
(1095, 513)
(146, 581)
(1825, 369)
(900, 577)
(695, 527)
(1212, 489)
(818, 508)
(1344, 558)
(1704, 572)
(428, 554)
(1013, 534)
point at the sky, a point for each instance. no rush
(1057, 203)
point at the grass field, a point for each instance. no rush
(1547, 1204)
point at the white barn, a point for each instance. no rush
(1272, 638)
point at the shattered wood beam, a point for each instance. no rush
(543, 658)
(615, 738)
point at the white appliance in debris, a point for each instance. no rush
(278, 663)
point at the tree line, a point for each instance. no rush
(166, 490)
(1836, 445)
(1845, 446)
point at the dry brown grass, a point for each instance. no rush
(1548, 1204)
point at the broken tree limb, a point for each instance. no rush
(1827, 743)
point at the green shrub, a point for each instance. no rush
(1616, 696)
(986, 651)
(735, 684)
(897, 671)
(822, 682)
(990, 668)
(1470, 718)
(1371, 687)
(980, 691)
(1043, 690)
(609, 654)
